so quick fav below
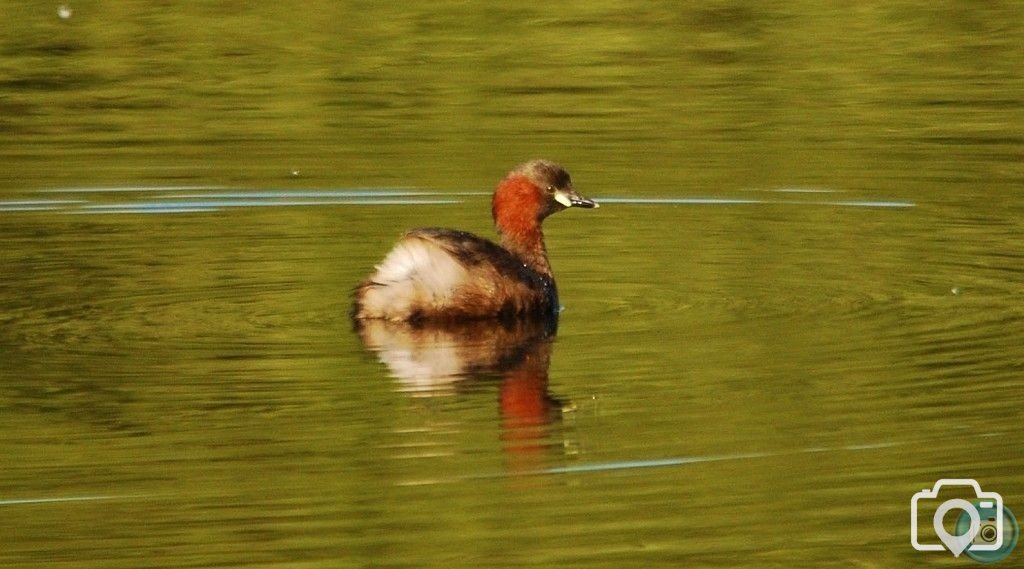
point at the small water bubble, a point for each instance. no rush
(295, 172)
(64, 12)
(955, 290)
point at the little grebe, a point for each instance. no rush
(443, 274)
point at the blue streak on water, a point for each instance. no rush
(290, 194)
(36, 205)
(214, 205)
(734, 201)
(144, 210)
(39, 202)
(266, 203)
(100, 190)
(668, 462)
(213, 200)
(868, 204)
(272, 194)
(679, 200)
(24, 501)
(634, 464)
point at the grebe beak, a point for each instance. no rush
(569, 198)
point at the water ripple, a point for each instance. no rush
(744, 201)
(211, 198)
(151, 207)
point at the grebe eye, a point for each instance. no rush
(549, 189)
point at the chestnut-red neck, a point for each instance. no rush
(517, 208)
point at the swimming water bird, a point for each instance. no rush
(435, 275)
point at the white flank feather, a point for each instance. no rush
(415, 273)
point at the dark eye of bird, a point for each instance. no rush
(549, 189)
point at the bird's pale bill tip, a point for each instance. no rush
(570, 198)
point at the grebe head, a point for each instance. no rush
(533, 191)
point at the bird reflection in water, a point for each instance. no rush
(436, 358)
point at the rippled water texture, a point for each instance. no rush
(799, 304)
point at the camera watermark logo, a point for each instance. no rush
(986, 530)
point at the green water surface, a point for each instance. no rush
(799, 304)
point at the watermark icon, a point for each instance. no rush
(985, 531)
